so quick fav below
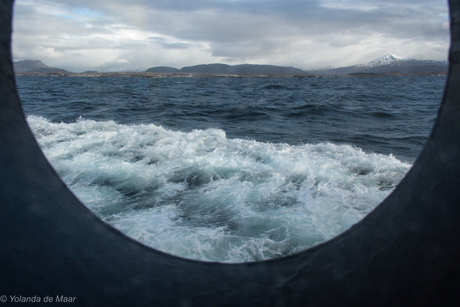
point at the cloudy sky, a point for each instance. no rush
(115, 35)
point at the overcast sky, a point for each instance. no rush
(115, 35)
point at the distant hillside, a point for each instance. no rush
(243, 69)
(36, 66)
(389, 64)
(162, 69)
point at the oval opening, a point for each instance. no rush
(231, 169)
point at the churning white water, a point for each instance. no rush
(204, 196)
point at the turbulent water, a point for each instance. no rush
(231, 169)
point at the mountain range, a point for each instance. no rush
(244, 69)
(36, 66)
(388, 64)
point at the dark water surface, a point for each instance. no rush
(232, 169)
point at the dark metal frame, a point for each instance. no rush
(406, 252)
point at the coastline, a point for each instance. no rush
(207, 75)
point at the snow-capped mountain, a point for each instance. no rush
(387, 59)
(389, 64)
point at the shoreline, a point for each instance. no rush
(208, 75)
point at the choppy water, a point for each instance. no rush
(231, 169)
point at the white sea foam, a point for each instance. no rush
(201, 195)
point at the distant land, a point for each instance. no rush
(35, 66)
(389, 64)
(244, 69)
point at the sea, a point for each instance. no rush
(231, 169)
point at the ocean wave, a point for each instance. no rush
(204, 196)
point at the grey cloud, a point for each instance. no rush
(199, 15)
(294, 18)
(170, 45)
(184, 17)
(246, 29)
